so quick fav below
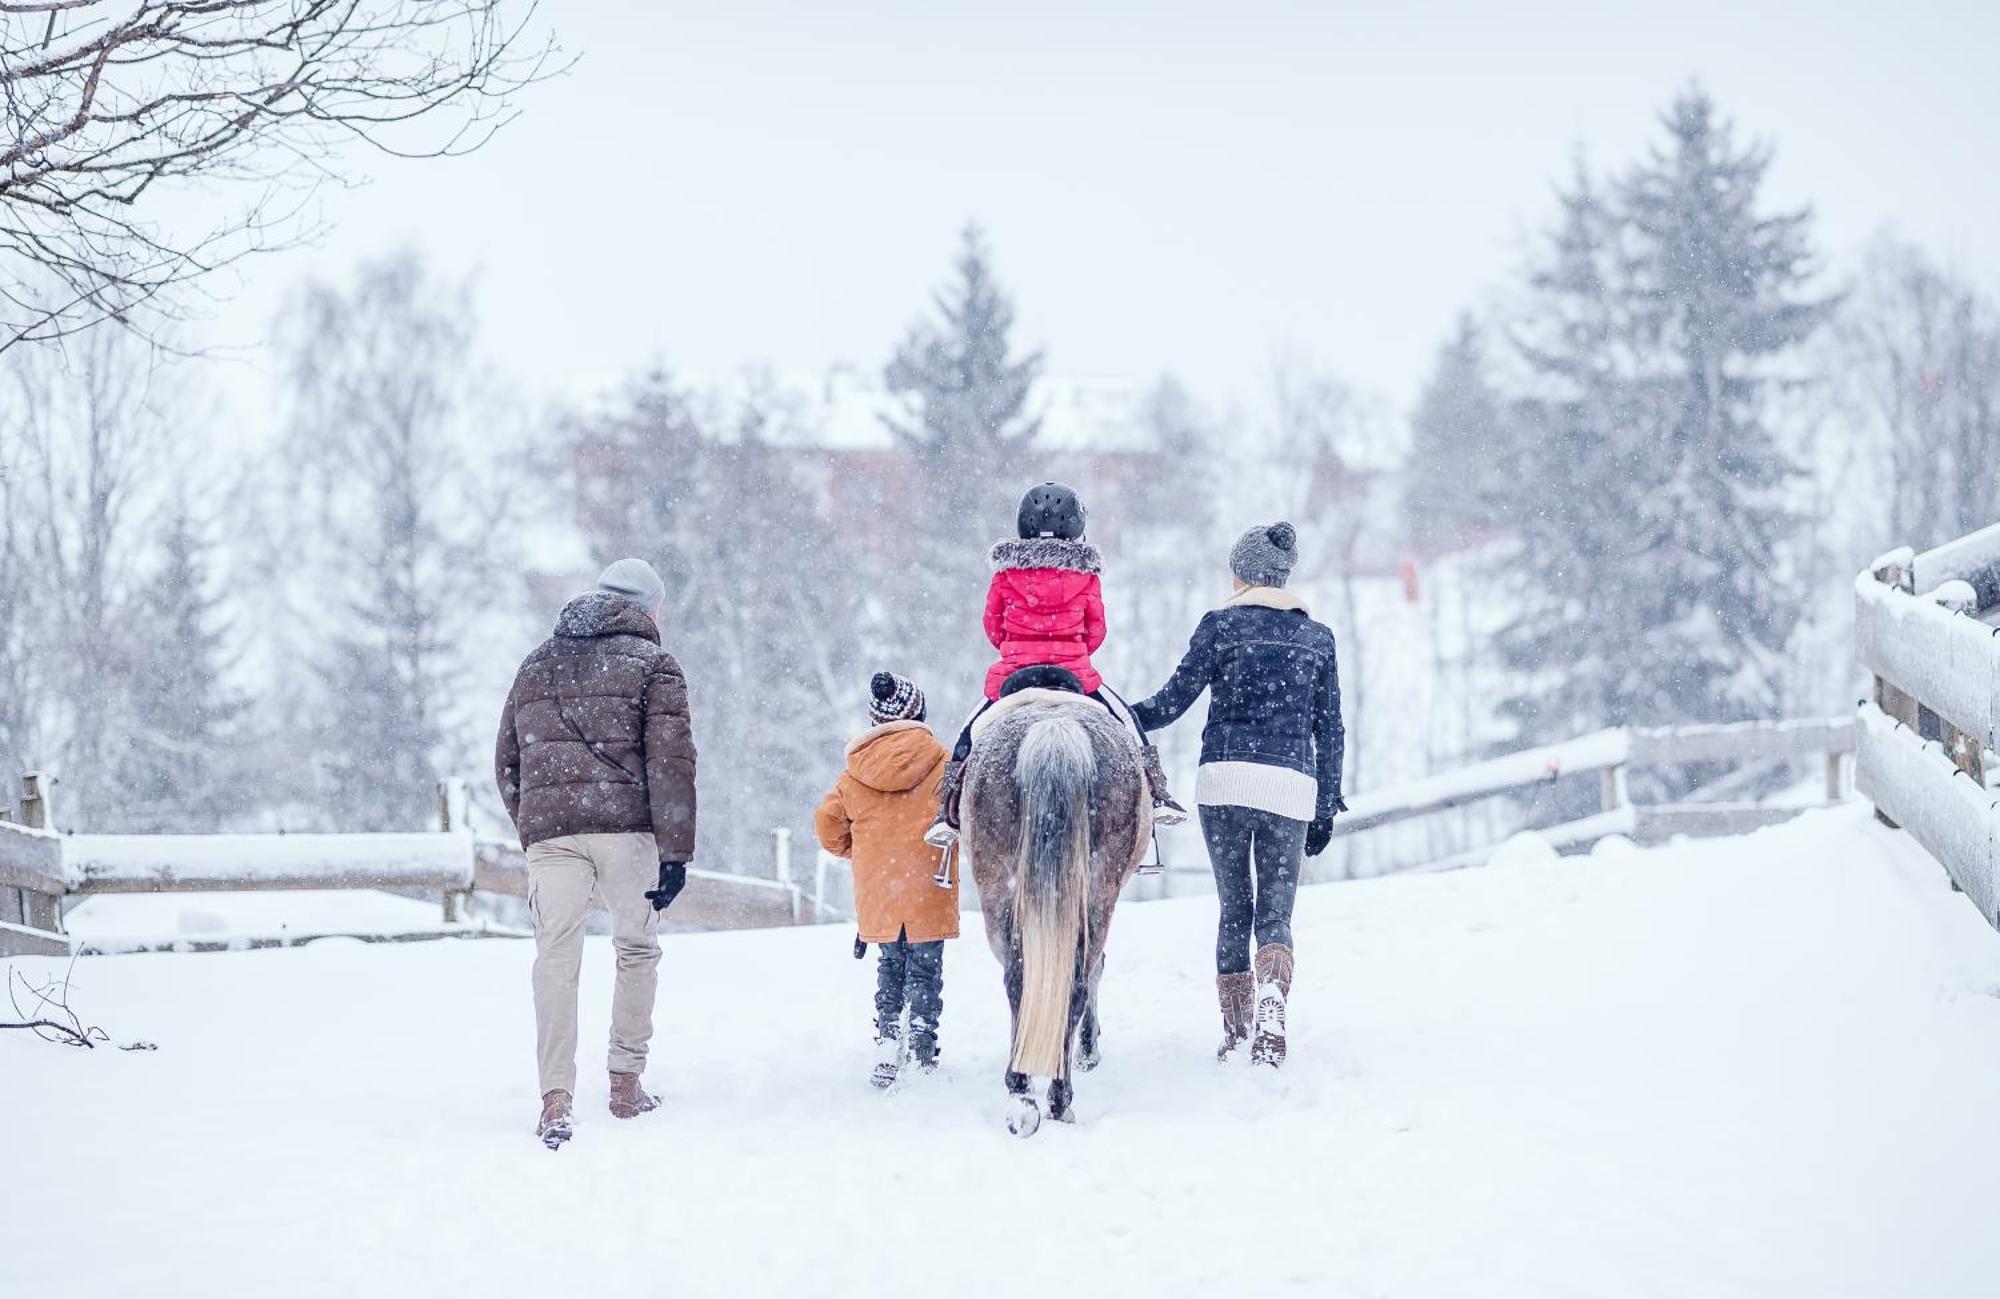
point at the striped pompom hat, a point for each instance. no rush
(894, 699)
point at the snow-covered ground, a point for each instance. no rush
(1763, 1067)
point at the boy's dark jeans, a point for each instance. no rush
(910, 974)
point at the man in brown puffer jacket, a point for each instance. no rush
(596, 762)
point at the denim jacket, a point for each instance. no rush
(1274, 689)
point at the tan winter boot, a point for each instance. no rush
(554, 1125)
(628, 1099)
(1237, 993)
(1273, 965)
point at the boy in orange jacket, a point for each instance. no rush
(875, 816)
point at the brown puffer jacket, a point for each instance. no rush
(877, 815)
(595, 736)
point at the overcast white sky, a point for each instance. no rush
(1196, 188)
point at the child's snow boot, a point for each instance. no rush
(1274, 985)
(1165, 810)
(1237, 993)
(923, 1044)
(888, 1056)
(628, 1099)
(944, 833)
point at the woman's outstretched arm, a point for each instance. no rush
(1186, 684)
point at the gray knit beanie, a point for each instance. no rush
(1264, 555)
(636, 581)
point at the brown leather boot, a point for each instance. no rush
(1273, 965)
(1165, 810)
(944, 832)
(628, 1099)
(1237, 993)
(554, 1125)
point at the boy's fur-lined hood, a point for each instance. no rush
(1045, 552)
(895, 756)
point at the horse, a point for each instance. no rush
(1056, 819)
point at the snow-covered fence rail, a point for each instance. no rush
(40, 870)
(1924, 626)
(1609, 754)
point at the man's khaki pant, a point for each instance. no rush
(563, 874)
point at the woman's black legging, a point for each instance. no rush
(1259, 906)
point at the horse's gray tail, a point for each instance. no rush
(1053, 770)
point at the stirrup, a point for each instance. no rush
(1168, 812)
(943, 877)
(941, 834)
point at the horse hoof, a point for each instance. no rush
(1088, 1060)
(1023, 1116)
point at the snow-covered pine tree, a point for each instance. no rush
(177, 775)
(1458, 447)
(966, 431)
(1569, 497)
(1721, 299)
(1649, 500)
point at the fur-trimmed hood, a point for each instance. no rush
(1045, 552)
(606, 613)
(1267, 597)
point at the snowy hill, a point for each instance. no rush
(1762, 1066)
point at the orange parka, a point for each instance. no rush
(876, 816)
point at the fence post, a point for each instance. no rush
(1892, 701)
(1836, 777)
(1612, 793)
(452, 800)
(39, 910)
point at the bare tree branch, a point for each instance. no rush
(105, 102)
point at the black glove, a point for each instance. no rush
(1318, 835)
(673, 878)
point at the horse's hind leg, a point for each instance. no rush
(1088, 1054)
(1023, 1115)
(1062, 1090)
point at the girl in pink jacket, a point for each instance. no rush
(1045, 610)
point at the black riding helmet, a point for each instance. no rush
(1050, 510)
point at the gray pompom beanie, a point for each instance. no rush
(636, 581)
(1264, 555)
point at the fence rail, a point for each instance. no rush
(39, 869)
(1923, 626)
(1610, 754)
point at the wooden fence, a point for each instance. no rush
(40, 869)
(1610, 755)
(1924, 625)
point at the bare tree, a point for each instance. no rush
(105, 104)
(93, 454)
(392, 551)
(1919, 349)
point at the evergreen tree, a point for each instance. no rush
(1720, 300)
(177, 776)
(1647, 498)
(1458, 446)
(966, 432)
